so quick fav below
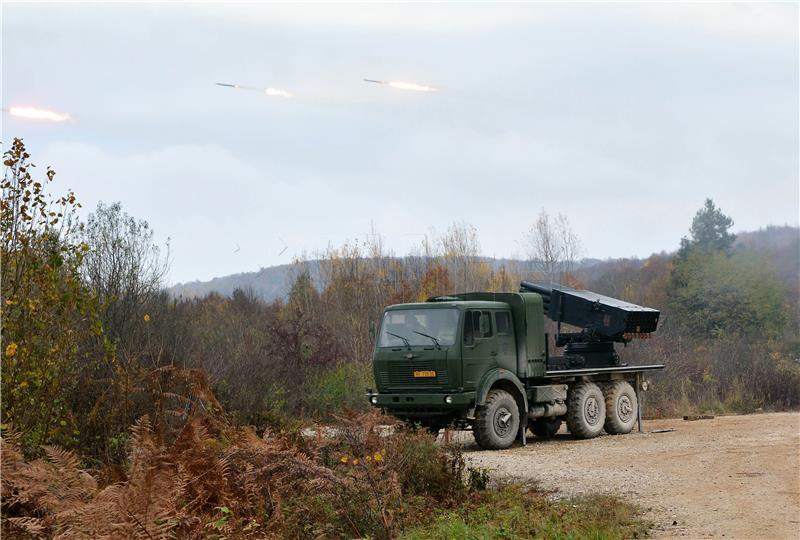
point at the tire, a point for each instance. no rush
(586, 410)
(497, 422)
(622, 408)
(546, 427)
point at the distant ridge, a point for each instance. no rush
(271, 283)
(780, 243)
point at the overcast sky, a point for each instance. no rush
(624, 117)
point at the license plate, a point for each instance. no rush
(418, 374)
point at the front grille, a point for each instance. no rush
(401, 373)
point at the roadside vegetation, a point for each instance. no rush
(516, 512)
(128, 412)
(368, 477)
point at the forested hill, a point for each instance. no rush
(780, 244)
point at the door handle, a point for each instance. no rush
(493, 353)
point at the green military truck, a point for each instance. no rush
(482, 361)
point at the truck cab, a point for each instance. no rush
(430, 357)
(480, 361)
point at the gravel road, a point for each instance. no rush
(731, 477)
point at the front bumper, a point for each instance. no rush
(423, 404)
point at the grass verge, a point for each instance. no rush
(514, 511)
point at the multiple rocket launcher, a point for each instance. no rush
(601, 318)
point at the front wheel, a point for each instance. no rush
(497, 422)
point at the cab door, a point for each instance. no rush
(479, 347)
(506, 345)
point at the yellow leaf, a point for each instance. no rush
(11, 349)
(146, 317)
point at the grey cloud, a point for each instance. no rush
(625, 119)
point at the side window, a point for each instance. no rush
(503, 321)
(489, 327)
(472, 326)
(469, 333)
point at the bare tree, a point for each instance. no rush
(553, 247)
(461, 249)
(571, 248)
(124, 266)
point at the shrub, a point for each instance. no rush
(217, 480)
(342, 387)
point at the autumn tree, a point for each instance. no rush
(49, 317)
(125, 267)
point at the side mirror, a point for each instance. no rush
(484, 326)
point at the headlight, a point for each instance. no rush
(448, 399)
(645, 385)
(373, 400)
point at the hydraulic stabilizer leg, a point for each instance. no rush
(639, 401)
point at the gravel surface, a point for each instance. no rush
(729, 477)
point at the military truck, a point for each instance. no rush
(482, 361)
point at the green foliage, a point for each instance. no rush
(343, 386)
(275, 399)
(221, 522)
(709, 231)
(427, 472)
(516, 513)
(49, 318)
(714, 294)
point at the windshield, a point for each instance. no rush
(413, 327)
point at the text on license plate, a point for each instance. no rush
(418, 374)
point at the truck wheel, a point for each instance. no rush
(622, 409)
(497, 422)
(546, 427)
(586, 410)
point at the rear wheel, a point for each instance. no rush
(497, 422)
(622, 409)
(546, 427)
(586, 410)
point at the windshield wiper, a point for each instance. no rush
(405, 340)
(436, 341)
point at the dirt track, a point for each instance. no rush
(731, 477)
